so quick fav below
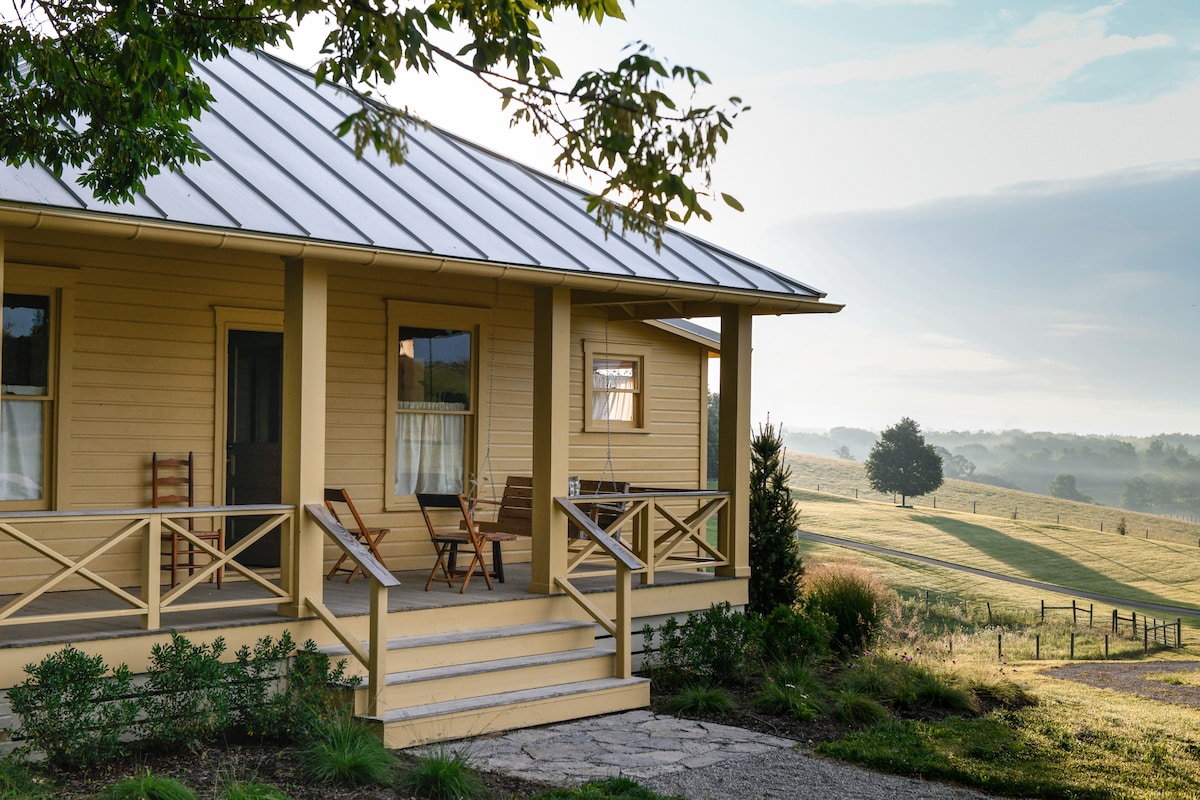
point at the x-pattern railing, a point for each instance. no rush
(663, 537)
(148, 525)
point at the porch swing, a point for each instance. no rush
(514, 508)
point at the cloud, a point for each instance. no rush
(827, 3)
(1043, 53)
(1063, 306)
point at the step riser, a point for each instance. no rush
(440, 690)
(407, 659)
(408, 733)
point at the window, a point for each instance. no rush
(432, 391)
(614, 388)
(25, 397)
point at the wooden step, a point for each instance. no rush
(461, 681)
(436, 650)
(475, 716)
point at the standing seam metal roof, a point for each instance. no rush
(278, 169)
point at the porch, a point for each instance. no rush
(431, 671)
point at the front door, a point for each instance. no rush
(253, 447)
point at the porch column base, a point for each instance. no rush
(733, 572)
(294, 610)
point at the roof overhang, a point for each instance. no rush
(625, 297)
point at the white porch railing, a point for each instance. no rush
(147, 526)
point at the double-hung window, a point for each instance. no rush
(614, 387)
(25, 397)
(432, 395)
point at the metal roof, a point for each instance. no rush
(278, 170)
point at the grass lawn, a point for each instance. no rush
(847, 478)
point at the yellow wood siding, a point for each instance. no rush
(144, 342)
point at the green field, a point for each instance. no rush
(1136, 569)
(847, 478)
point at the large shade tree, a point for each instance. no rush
(111, 87)
(902, 463)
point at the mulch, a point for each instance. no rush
(206, 769)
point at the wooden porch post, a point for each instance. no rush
(551, 410)
(733, 473)
(305, 290)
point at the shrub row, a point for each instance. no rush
(77, 711)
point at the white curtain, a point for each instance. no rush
(22, 432)
(430, 448)
(612, 394)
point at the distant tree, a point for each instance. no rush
(902, 463)
(1063, 486)
(844, 453)
(775, 565)
(955, 466)
(714, 441)
(1137, 494)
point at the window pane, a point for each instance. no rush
(429, 452)
(614, 384)
(435, 366)
(22, 432)
(26, 353)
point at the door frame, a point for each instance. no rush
(231, 318)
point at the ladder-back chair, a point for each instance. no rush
(370, 537)
(173, 483)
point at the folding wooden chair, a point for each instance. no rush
(448, 534)
(371, 537)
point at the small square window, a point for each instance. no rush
(614, 390)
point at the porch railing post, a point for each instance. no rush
(623, 665)
(377, 666)
(151, 573)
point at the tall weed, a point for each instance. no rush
(857, 600)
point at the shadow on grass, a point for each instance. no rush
(1041, 563)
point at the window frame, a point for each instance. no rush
(640, 355)
(411, 314)
(57, 284)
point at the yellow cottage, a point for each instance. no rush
(297, 321)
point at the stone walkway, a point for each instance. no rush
(695, 760)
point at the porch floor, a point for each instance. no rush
(341, 598)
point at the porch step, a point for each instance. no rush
(475, 716)
(441, 650)
(470, 682)
(463, 681)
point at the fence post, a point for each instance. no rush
(1102, 526)
(973, 504)
(1074, 618)
(1178, 633)
(1043, 611)
(1072, 645)
(1145, 637)
(855, 492)
(1037, 647)
(935, 501)
(989, 608)
(1114, 623)
(1000, 645)
(1091, 609)
(1106, 645)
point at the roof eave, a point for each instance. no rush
(633, 298)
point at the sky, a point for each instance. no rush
(1005, 196)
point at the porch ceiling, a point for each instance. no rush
(280, 181)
